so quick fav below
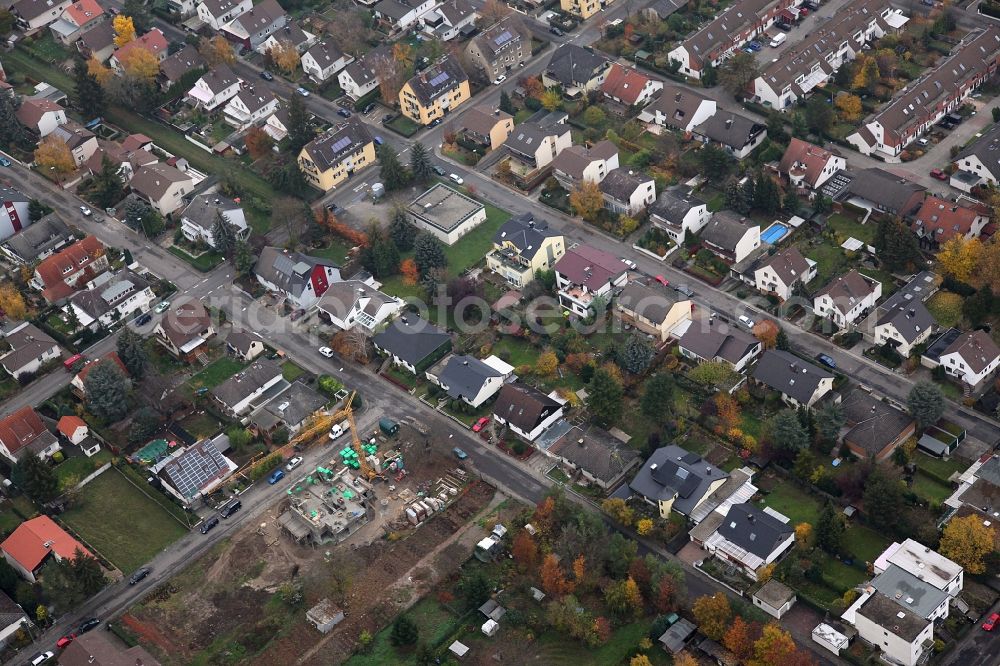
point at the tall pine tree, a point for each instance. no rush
(391, 171)
(89, 93)
(301, 129)
(223, 235)
(420, 164)
(428, 254)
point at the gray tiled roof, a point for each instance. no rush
(574, 65)
(673, 204)
(908, 591)
(674, 472)
(330, 148)
(245, 382)
(525, 232)
(753, 530)
(411, 338)
(874, 424)
(717, 341)
(730, 129)
(789, 374)
(652, 303)
(725, 229)
(600, 454)
(204, 209)
(889, 615)
(465, 375)
(44, 235)
(440, 77)
(621, 184)
(524, 406)
(289, 271)
(986, 148)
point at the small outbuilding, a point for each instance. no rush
(774, 598)
(490, 627)
(676, 637)
(458, 649)
(492, 610)
(325, 616)
(829, 638)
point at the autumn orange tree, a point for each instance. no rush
(580, 570)
(804, 537)
(216, 50)
(775, 647)
(665, 600)
(587, 200)
(97, 69)
(12, 302)
(685, 658)
(739, 638)
(968, 542)
(618, 509)
(524, 551)
(141, 64)
(54, 157)
(408, 269)
(328, 220)
(849, 106)
(712, 614)
(767, 332)
(727, 410)
(624, 598)
(959, 257)
(546, 363)
(259, 143)
(553, 579)
(285, 56)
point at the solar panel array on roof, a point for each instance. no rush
(194, 468)
(503, 38)
(283, 265)
(439, 79)
(340, 144)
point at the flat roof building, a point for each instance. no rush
(327, 506)
(446, 213)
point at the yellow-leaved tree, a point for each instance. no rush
(12, 302)
(586, 200)
(141, 64)
(967, 541)
(99, 71)
(849, 106)
(53, 156)
(285, 56)
(959, 257)
(124, 30)
(217, 50)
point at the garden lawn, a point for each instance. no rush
(337, 251)
(929, 489)
(216, 372)
(73, 470)
(516, 351)
(403, 125)
(846, 226)
(201, 424)
(124, 525)
(939, 466)
(204, 262)
(555, 648)
(434, 623)
(792, 502)
(290, 371)
(160, 358)
(830, 261)
(864, 543)
(946, 308)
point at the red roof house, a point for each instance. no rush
(81, 377)
(628, 86)
(23, 430)
(30, 545)
(940, 220)
(73, 428)
(59, 275)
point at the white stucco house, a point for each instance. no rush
(847, 297)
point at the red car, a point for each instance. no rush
(940, 175)
(662, 280)
(992, 622)
(480, 424)
(803, 12)
(65, 640)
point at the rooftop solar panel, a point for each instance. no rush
(503, 38)
(439, 79)
(340, 144)
(194, 468)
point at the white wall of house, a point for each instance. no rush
(49, 121)
(824, 306)
(532, 435)
(894, 647)
(888, 331)
(354, 89)
(956, 366)
(218, 21)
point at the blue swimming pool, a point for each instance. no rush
(774, 233)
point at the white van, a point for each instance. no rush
(778, 40)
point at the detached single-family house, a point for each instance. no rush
(162, 186)
(78, 18)
(97, 42)
(291, 35)
(80, 378)
(584, 274)
(23, 430)
(501, 48)
(673, 479)
(361, 76)
(926, 563)
(901, 635)
(62, 273)
(584, 9)
(217, 13)
(30, 349)
(30, 545)
(600, 458)
(521, 247)
(576, 70)
(779, 273)
(88, 648)
(113, 300)
(334, 156)
(736, 134)
(413, 343)
(730, 237)
(200, 218)
(14, 214)
(39, 241)
(489, 129)
(903, 320)
(654, 310)
(877, 190)
(750, 538)
(973, 357)
(77, 432)
(238, 394)
(252, 28)
(527, 411)
(626, 192)
(174, 67)
(290, 409)
(678, 108)
(244, 345)
(12, 619)
(195, 471)
(875, 428)
(629, 87)
(678, 212)
(401, 14)
(354, 303)
(450, 19)
(82, 143)
(979, 162)
(434, 92)
(324, 60)
(299, 278)
(940, 220)
(539, 140)
(469, 379)
(215, 88)
(249, 106)
(33, 15)
(846, 298)
(582, 164)
(709, 340)
(808, 166)
(184, 330)
(40, 116)
(799, 382)
(152, 42)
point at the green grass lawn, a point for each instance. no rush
(216, 372)
(840, 576)
(123, 524)
(946, 308)
(404, 126)
(847, 226)
(290, 371)
(516, 351)
(404, 377)
(830, 262)
(434, 623)
(939, 466)
(554, 648)
(201, 424)
(792, 502)
(160, 358)
(864, 543)
(75, 469)
(336, 251)
(930, 489)
(14, 511)
(204, 262)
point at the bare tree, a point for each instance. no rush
(390, 77)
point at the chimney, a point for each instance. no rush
(729, 123)
(580, 442)
(652, 468)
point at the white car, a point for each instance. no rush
(746, 321)
(302, 91)
(631, 264)
(455, 177)
(326, 351)
(86, 211)
(500, 79)
(293, 463)
(41, 658)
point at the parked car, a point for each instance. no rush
(326, 351)
(631, 264)
(684, 289)
(662, 280)
(500, 79)
(162, 307)
(387, 117)
(276, 475)
(369, 108)
(754, 46)
(455, 177)
(459, 453)
(480, 424)
(209, 524)
(783, 26)
(334, 208)
(266, 75)
(4, 161)
(746, 321)
(436, 122)
(63, 642)
(803, 12)
(293, 463)
(231, 508)
(86, 211)
(827, 361)
(556, 31)
(139, 574)
(41, 657)
(940, 175)
(87, 625)
(343, 113)
(439, 171)
(379, 140)
(991, 622)
(955, 118)
(302, 91)
(143, 319)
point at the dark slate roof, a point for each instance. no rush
(976, 348)
(987, 149)
(595, 451)
(295, 404)
(874, 424)
(500, 37)
(411, 338)
(673, 204)
(990, 470)
(908, 591)
(525, 232)
(431, 83)
(10, 612)
(730, 129)
(653, 303)
(204, 209)
(885, 612)
(788, 264)
(44, 235)
(177, 65)
(465, 375)
(332, 146)
(524, 406)
(664, 8)
(789, 374)
(571, 64)
(289, 271)
(674, 472)
(726, 228)
(246, 381)
(909, 319)
(362, 70)
(753, 530)
(728, 343)
(620, 184)
(892, 192)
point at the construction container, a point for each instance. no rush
(388, 426)
(411, 516)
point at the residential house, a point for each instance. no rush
(82, 143)
(678, 108)
(730, 237)
(902, 636)
(217, 13)
(539, 140)
(876, 189)
(324, 60)
(244, 345)
(299, 278)
(413, 343)
(30, 545)
(629, 87)
(939, 220)
(123, 162)
(978, 163)
(527, 411)
(98, 42)
(200, 217)
(290, 409)
(23, 430)
(13, 619)
(875, 428)
(469, 379)
(774, 598)
(936, 93)
(79, 381)
(335, 155)
(972, 358)
(661, 10)
(814, 60)
(597, 455)
(249, 107)
(903, 323)
(64, 272)
(194, 472)
(582, 164)
(435, 91)
(446, 213)
(584, 274)
(115, 299)
(577, 70)
(292, 34)
(626, 192)
(678, 212)
(673, 479)
(238, 394)
(913, 592)
(927, 564)
(737, 134)
(847, 298)
(153, 41)
(709, 340)
(361, 76)
(718, 39)
(13, 212)
(799, 382)
(401, 14)
(750, 538)
(162, 186)
(450, 19)
(500, 49)
(277, 123)
(522, 246)
(809, 166)
(174, 67)
(33, 15)
(354, 303)
(30, 350)
(78, 18)
(46, 236)
(184, 330)
(489, 129)
(654, 310)
(779, 273)
(251, 29)
(215, 88)
(584, 9)
(40, 116)
(97, 649)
